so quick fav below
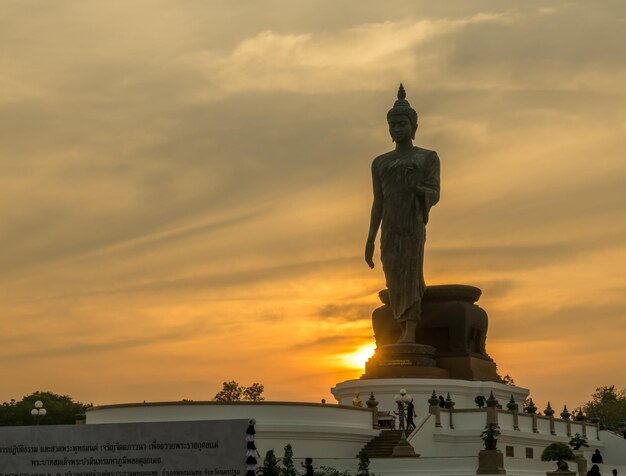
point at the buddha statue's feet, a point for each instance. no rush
(408, 333)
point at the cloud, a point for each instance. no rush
(345, 312)
(172, 185)
(336, 342)
(327, 63)
(515, 257)
(109, 342)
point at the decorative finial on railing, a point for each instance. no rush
(433, 400)
(492, 401)
(449, 403)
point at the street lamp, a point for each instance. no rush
(399, 398)
(403, 448)
(38, 411)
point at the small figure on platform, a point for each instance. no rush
(410, 413)
(614, 471)
(594, 471)
(308, 466)
(442, 401)
(596, 457)
(356, 401)
(480, 401)
(386, 329)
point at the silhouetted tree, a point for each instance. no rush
(288, 468)
(507, 379)
(233, 392)
(230, 392)
(607, 404)
(253, 392)
(364, 464)
(60, 410)
(270, 465)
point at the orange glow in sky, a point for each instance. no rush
(185, 189)
(358, 358)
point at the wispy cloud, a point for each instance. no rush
(181, 192)
(328, 62)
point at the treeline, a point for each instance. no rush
(60, 410)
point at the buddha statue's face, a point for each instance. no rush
(400, 128)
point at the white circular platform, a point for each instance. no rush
(462, 392)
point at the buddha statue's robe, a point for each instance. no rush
(408, 186)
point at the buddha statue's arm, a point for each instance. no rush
(375, 218)
(428, 189)
(431, 181)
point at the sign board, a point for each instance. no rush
(181, 448)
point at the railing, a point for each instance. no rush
(477, 418)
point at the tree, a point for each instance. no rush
(253, 392)
(364, 464)
(607, 404)
(270, 465)
(558, 452)
(508, 380)
(60, 410)
(233, 392)
(288, 468)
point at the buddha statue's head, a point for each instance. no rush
(400, 111)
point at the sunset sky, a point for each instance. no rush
(185, 188)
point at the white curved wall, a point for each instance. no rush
(312, 429)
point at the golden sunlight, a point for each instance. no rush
(358, 358)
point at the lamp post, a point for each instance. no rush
(403, 448)
(38, 411)
(399, 398)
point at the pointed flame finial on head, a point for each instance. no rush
(402, 107)
(401, 92)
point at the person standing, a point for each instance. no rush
(596, 457)
(410, 413)
(308, 466)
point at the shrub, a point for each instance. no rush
(558, 452)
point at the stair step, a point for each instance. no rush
(382, 445)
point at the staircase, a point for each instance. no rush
(382, 445)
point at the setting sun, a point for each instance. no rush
(358, 358)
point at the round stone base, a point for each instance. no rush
(404, 360)
(463, 392)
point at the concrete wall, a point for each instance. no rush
(315, 430)
(614, 450)
(333, 434)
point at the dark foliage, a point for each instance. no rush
(60, 410)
